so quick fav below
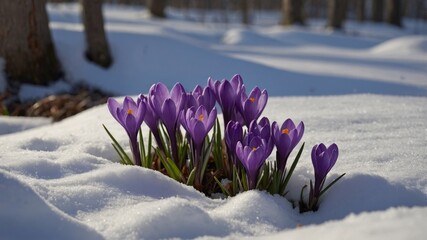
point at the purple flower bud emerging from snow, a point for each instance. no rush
(323, 160)
(201, 96)
(130, 115)
(167, 106)
(286, 138)
(252, 106)
(252, 156)
(227, 93)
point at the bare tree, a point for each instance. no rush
(293, 12)
(26, 42)
(157, 8)
(97, 49)
(335, 13)
(393, 12)
(377, 10)
(360, 10)
(244, 7)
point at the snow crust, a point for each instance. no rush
(63, 180)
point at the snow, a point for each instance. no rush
(403, 45)
(16, 124)
(63, 180)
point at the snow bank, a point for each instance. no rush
(403, 45)
(24, 215)
(69, 171)
(248, 37)
(395, 223)
(16, 124)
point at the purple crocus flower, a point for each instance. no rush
(252, 156)
(152, 120)
(323, 160)
(227, 93)
(130, 115)
(286, 138)
(167, 106)
(252, 106)
(198, 122)
(261, 129)
(233, 134)
(201, 96)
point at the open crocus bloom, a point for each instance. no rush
(286, 138)
(252, 156)
(201, 96)
(198, 122)
(227, 93)
(252, 106)
(130, 115)
(167, 105)
(323, 160)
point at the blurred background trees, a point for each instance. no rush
(97, 48)
(29, 53)
(26, 43)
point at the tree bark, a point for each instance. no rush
(244, 7)
(393, 12)
(360, 10)
(26, 43)
(293, 12)
(335, 13)
(97, 48)
(157, 8)
(377, 10)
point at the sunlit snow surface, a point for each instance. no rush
(62, 180)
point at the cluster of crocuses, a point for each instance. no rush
(209, 162)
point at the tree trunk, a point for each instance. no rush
(157, 8)
(97, 49)
(335, 13)
(293, 12)
(393, 13)
(377, 10)
(26, 43)
(360, 9)
(244, 7)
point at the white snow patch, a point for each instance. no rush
(16, 124)
(403, 45)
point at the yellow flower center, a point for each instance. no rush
(285, 131)
(252, 99)
(254, 149)
(130, 111)
(201, 117)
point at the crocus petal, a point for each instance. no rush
(239, 151)
(169, 115)
(211, 120)
(226, 96)
(177, 94)
(198, 133)
(113, 106)
(333, 149)
(131, 126)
